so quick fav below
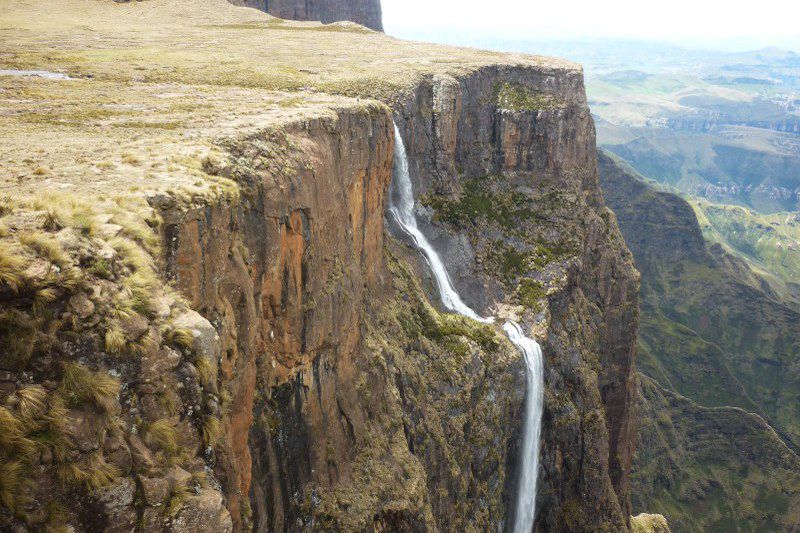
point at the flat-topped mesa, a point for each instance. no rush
(364, 12)
(194, 250)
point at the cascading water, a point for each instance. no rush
(403, 210)
(534, 403)
(401, 206)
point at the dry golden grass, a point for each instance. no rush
(210, 431)
(162, 435)
(11, 268)
(93, 473)
(79, 385)
(180, 338)
(13, 485)
(36, 423)
(115, 340)
(47, 247)
(176, 500)
(157, 82)
(32, 402)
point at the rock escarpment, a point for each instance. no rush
(364, 12)
(239, 342)
(329, 313)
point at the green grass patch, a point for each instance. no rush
(530, 294)
(517, 97)
(479, 202)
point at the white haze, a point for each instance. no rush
(726, 24)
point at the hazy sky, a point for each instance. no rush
(676, 20)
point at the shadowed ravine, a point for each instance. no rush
(401, 205)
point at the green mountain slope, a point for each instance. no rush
(769, 243)
(712, 469)
(716, 334)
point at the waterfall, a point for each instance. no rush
(532, 429)
(401, 206)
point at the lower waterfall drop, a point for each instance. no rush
(402, 209)
(534, 405)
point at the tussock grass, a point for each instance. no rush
(13, 486)
(12, 267)
(54, 220)
(80, 385)
(50, 431)
(101, 268)
(180, 338)
(71, 279)
(142, 286)
(43, 297)
(47, 247)
(130, 159)
(205, 371)
(57, 515)
(36, 423)
(131, 255)
(176, 500)
(136, 228)
(64, 209)
(32, 402)
(93, 473)
(145, 345)
(211, 431)
(169, 402)
(163, 436)
(115, 340)
(7, 205)
(200, 478)
(13, 438)
(20, 335)
(85, 222)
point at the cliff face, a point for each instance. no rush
(270, 359)
(364, 12)
(717, 425)
(323, 319)
(514, 207)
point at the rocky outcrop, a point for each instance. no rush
(649, 523)
(364, 12)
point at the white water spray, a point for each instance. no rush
(402, 208)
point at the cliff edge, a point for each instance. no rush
(210, 326)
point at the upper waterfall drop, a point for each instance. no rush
(402, 209)
(403, 212)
